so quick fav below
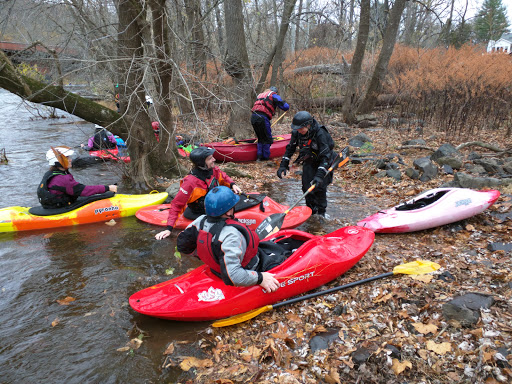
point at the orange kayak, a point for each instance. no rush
(14, 219)
(252, 217)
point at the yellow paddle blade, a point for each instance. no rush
(418, 267)
(241, 317)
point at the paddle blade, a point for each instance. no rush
(418, 267)
(63, 160)
(241, 317)
(270, 225)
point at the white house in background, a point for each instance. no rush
(503, 44)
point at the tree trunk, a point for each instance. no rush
(237, 66)
(289, 5)
(350, 99)
(388, 44)
(297, 27)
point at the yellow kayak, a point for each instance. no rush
(88, 210)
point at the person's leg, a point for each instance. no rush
(258, 124)
(267, 141)
(308, 173)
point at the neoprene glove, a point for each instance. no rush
(319, 176)
(283, 168)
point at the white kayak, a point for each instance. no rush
(431, 209)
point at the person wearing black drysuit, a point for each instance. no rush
(316, 156)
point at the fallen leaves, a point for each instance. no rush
(194, 362)
(440, 349)
(66, 301)
(111, 222)
(425, 328)
(398, 367)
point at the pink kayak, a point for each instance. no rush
(252, 217)
(200, 295)
(431, 209)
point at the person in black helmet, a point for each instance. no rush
(189, 200)
(262, 112)
(315, 154)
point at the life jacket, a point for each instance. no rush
(209, 247)
(196, 200)
(308, 146)
(265, 103)
(101, 141)
(50, 200)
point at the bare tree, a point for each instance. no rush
(388, 44)
(350, 99)
(236, 64)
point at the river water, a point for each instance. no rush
(64, 313)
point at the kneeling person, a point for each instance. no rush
(231, 249)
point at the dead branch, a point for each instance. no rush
(480, 144)
(417, 147)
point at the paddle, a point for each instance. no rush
(63, 160)
(418, 267)
(274, 222)
(279, 118)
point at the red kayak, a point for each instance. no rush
(200, 295)
(110, 154)
(252, 217)
(246, 150)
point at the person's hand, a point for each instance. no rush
(82, 145)
(236, 189)
(163, 234)
(269, 282)
(282, 171)
(112, 188)
(317, 180)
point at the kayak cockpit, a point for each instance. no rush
(81, 201)
(422, 201)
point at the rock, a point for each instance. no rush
(412, 173)
(427, 169)
(362, 137)
(392, 165)
(355, 143)
(447, 169)
(473, 168)
(474, 156)
(366, 124)
(381, 174)
(371, 117)
(466, 181)
(446, 276)
(466, 309)
(443, 151)
(453, 162)
(493, 247)
(232, 170)
(395, 352)
(394, 173)
(173, 189)
(360, 356)
(491, 166)
(322, 340)
(380, 164)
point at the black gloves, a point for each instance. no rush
(319, 177)
(169, 228)
(283, 168)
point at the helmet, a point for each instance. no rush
(301, 119)
(98, 127)
(273, 89)
(220, 200)
(155, 125)
(52, 159)
(199, 155)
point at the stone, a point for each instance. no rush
(453, 162)
(412, 173)
(360, 356)
(444, 150)
(493, 247)
(466, 309)
(414, 142)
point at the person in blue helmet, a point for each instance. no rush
(230, 248)
(262, 112)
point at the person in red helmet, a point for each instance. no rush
(203, 177)
(156, 129)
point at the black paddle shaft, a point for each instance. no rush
(335, 289)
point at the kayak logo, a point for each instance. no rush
(247, 221)
(295, 279)
(182, 190)
(213, 294)
(462, 202)
(99, 211)
(353, 231)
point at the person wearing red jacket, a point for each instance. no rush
(262, 112)
(189, 200)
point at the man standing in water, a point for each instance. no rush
(262, 112)
(315, 154)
